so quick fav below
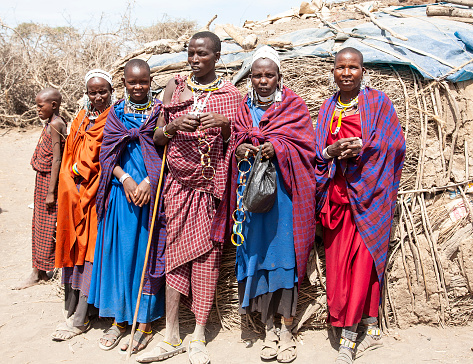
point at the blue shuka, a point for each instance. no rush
(122, 238)
(267, 259)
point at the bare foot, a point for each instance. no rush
(35, 277)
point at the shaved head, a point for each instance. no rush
(216, 44)
(136, 64)
(50, 94)
(352, 51)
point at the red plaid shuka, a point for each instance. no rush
(44, 218)
(373, 177)
(189, 198)
(288, 126)
(184, 160)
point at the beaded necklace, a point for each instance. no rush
(195, 85)
(342, 108)
(203, 147)
(263, 101)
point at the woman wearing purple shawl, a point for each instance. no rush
(360, 154)
(125, 199)
(274, 246)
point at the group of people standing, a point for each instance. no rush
(171, 174)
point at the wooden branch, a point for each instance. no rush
(454, 70)
(441, 10)
(435, 189)
(462, 2)
(246, 42)
(207, 26)
(375, 21)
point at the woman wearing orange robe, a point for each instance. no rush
(77, 217)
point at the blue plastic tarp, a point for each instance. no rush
(434, 47)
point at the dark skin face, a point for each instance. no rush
(137, 82)
(202, 59)
(44, 106)
(348, 71)
(264, 76)
(99, 92)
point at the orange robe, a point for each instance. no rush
(77, 217)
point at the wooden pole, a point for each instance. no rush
(145, 265)
(440, 10)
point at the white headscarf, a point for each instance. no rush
(267, 52)
(270, 53)
(98, 73)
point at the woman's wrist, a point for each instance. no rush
(326, 154)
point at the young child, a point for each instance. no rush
(46, 162)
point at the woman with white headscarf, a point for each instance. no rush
(273, 247)
(77, 217)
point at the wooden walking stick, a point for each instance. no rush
(145, 265)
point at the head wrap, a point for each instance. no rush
(267, 52)
(99, 73)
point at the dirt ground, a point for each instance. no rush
(28, 317)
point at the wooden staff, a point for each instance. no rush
(145, 265)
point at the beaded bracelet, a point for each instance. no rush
(227, 140)
(166, 134)
(75, 170)
(146, 179)
(158, 127)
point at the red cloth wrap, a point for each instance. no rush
(288, 126)
(352, 281)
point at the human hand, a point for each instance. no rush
(212, 120)
(50, 201)
(243, 148)
(187, 122)
(142, 193)
(267, 150)
(345, 148)
(129, 186)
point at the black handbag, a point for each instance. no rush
(261, 189)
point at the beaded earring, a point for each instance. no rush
(278, 94)
(249, 87)
(365, 81)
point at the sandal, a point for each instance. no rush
(370, 339)
(198, 347)
(65, 332)
(345, 352)
(112, 334)
(157, 355)
(271, 341)
(287, 346)
(142, 338)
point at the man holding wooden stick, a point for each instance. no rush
(197, 126)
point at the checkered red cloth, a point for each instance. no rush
(78, 277)
(42, 159)
(189, 215)
(115, 138)
(44, 225)
(184, 160)
(196, 281)
(288, 126)
(373, 177)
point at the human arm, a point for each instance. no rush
(55, 128)
(129, 184)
